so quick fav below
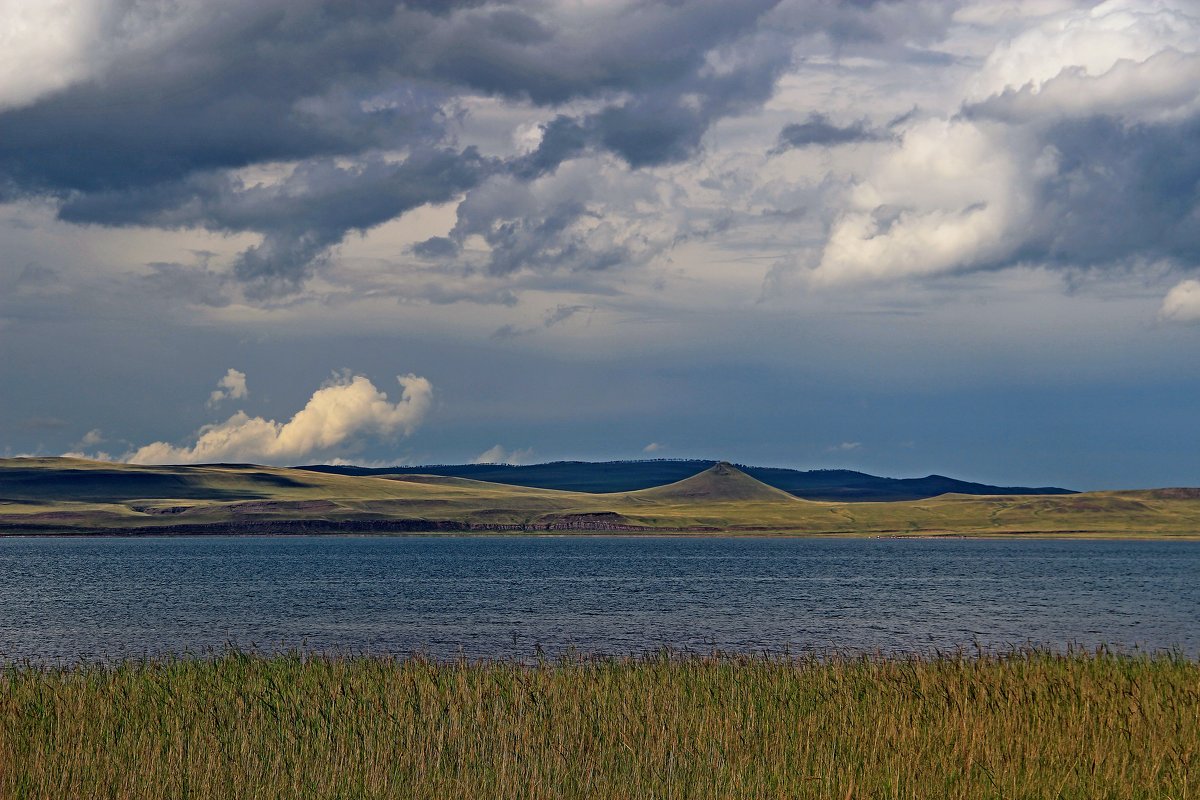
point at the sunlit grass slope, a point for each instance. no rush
(75, 496)
(1027, 725)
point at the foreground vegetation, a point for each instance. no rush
(60, 495)
(1024, 725)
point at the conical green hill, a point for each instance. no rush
(722, 482)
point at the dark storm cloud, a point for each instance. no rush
(301, 217)
(152, 137)
(819, 131)
(266, 82)
(1121, 191)
(280, 81)
(436, 247)
(647, 45)
(315, 210)
(660, 128)
(526, 234)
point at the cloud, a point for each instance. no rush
(43, 46)
(554, 316)
(580, 229)
(96, 456)
(90, 439)
(499, 455)
(301, 217)
(844, 447)
(1182, 303)
(369, 463)
(1090, 50)
(819, 131)
(653, 447)
(230, 387)
(950, 195)
(1076, 145)
(1160, 88)
(336, 417)
(563, 312)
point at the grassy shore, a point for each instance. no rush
(1024, 725)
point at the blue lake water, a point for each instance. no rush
(72, 598)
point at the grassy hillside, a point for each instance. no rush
(721, 483)
(76, 496)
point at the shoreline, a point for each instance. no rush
(573, 657)
(468, 533)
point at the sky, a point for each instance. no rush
(904, 237)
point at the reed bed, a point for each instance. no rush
(1025, 724)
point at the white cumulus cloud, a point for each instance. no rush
(337, 416)
(232, 386)
(1182, 303)
(949, 195)
(90, 439)
(43, 46)
(500, 455)
(97, 456)
(1092, 44)
(49, 45)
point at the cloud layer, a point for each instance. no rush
(211, 116)
(577, 218)
(336, 417)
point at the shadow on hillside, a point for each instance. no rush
(117, 485)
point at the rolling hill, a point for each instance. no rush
(720, 483)
(72, 496)
(628, 476)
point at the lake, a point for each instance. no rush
(102, 598)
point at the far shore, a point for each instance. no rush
(650, 534)
(64, 497)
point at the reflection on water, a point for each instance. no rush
(64, 599)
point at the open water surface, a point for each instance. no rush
(103, 598)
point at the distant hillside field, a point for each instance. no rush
(71, 496)
(630, 476)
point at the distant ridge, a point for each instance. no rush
(628, 476)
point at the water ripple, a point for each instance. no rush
(66, 599)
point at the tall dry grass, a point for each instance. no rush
(1023, 725)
